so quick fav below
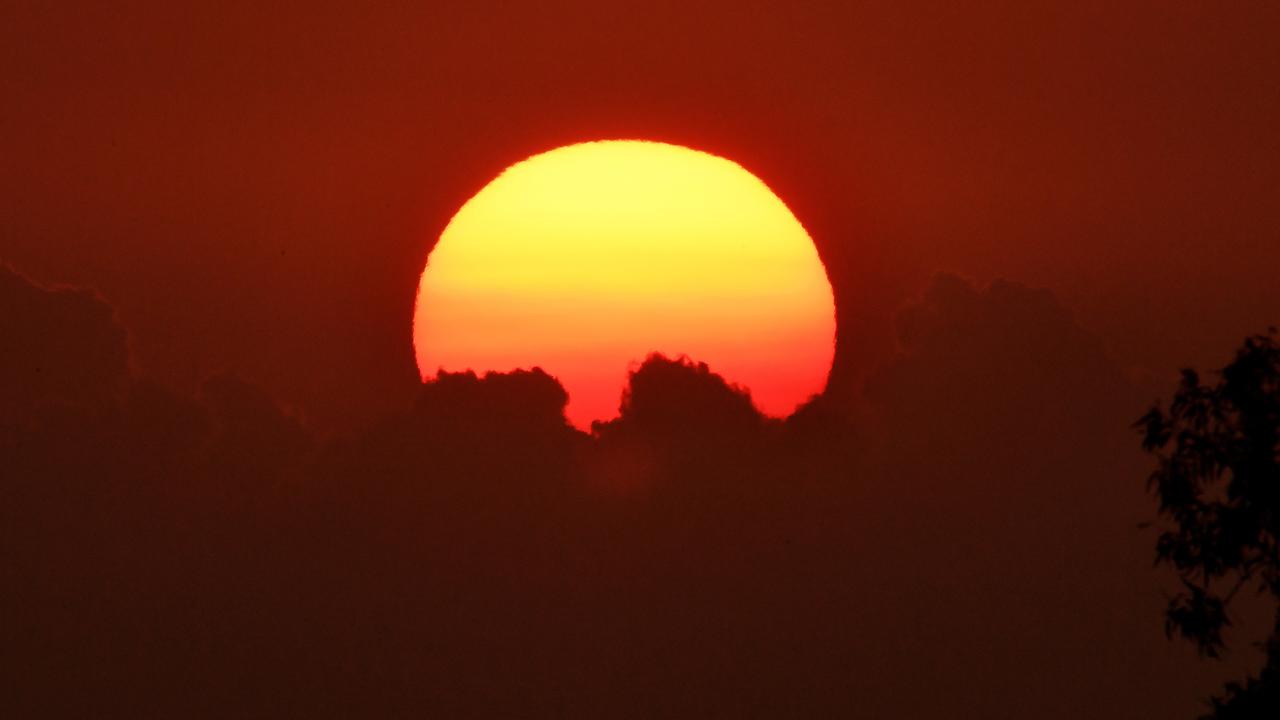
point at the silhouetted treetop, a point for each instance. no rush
(1217, 482)
(57, 346)
(517, 398)
(472, 554)
(683, 396)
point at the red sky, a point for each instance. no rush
(256, 189)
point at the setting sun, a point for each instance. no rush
(586, 259)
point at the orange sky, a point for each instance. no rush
(254, 186)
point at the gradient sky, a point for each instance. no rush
(255, 186)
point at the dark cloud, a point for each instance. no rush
(968, 528)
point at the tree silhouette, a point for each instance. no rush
(1217, 481)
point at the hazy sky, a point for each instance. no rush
(254, 192)
(257, 189)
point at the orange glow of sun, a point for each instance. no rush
(586, 259)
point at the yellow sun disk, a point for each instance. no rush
(587, 258)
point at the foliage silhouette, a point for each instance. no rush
(473, 555)
(678, 417)
(1217, 482)
(59, 347)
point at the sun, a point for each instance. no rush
(586, 259)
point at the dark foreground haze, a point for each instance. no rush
(473, 555)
